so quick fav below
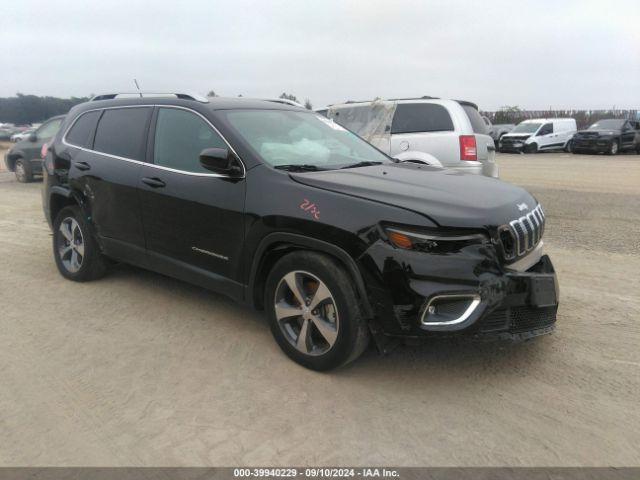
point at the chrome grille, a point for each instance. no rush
(527, 232)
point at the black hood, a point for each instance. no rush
(597, 133)
(448, 197)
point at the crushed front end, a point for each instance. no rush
(492, 284)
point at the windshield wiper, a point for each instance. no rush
(361, 164)
(298, 168)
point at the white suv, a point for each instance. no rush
(443, 133)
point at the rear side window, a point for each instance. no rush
(180, 137)
(478, 125)
(81, 132)
(421, 117)
(49, 129)
(121, 132)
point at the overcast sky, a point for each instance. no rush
(535, 54)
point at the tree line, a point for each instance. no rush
(24, 109)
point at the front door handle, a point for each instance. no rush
(82, 166)
(153, 182)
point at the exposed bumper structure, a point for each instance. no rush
(466, 293)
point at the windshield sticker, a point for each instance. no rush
(312, 208)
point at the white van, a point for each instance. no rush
(538, 135)
(438, 132)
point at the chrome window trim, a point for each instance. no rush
(475, 301)
(161, 167)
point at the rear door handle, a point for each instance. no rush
(82, 166)
(153, 182)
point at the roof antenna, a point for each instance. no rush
(136, 82)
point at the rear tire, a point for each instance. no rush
(314, 312)
(23, 172)
(75, 250)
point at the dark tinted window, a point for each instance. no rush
(477, 123)
(81, 132)
(180, 137)
(421, 117)
(121, 132)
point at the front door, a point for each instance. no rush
(628, 136)
(32, 149)
(193, 218)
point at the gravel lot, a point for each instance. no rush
(139, 369)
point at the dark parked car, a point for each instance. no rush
(498, 130)
(608, 136)
(287, 211)
(24, 158)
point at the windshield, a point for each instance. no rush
(285, 138)
(526, 128)
(607, 125)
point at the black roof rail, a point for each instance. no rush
(182, 96)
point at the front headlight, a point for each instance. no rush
(430, 241)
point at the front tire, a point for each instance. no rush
(614, 148)
(75, 250)
(569, 147)
(531, 148)
(22, 170)
(314, 312)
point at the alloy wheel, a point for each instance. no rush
(614, 147)
(71, 245)
(306, 313)
(20, 171)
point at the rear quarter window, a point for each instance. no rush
(477, 123)
(81, 133)
(121, 132)
(421, 117)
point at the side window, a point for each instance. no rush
(81, 132)
(180, 137)
(546, 129)
(421, 117)
(121, 132)
(49, 129)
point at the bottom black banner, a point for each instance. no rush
(398, 473)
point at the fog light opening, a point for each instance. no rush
(445, 310)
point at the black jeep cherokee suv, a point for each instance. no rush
(287, 211)
(607, 136)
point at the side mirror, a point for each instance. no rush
(33, 137)
(222, 161)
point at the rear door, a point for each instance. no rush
(193, 218)
(105, 166)
(425, 127)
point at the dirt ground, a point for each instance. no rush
(139, 369)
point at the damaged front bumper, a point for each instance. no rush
(465, 293)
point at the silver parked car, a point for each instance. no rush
(439, 132)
